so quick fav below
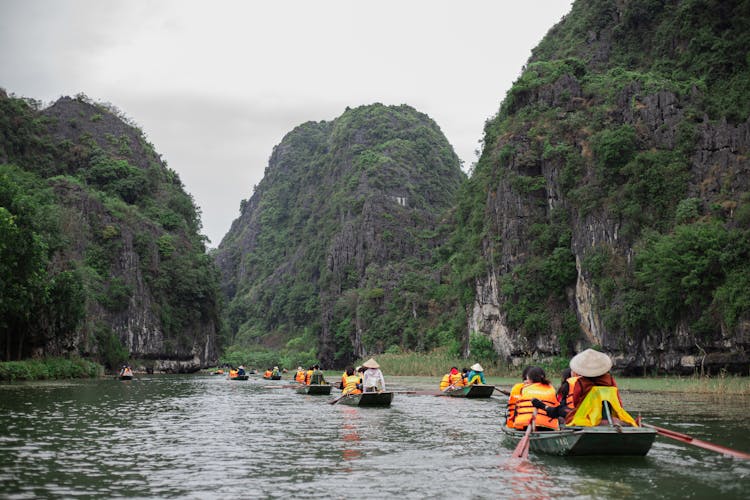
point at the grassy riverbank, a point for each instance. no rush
(49, 368)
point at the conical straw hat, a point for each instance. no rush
(477, 367)
(590, 363)
(371, 363)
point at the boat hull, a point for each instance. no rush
(314, 389)
(273, 377)
(126, 377)
(368, 399)
(473, 391)
(240, 377)
(589, 441)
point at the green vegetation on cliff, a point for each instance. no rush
(100, 244)
(334, 254)
(604, 153)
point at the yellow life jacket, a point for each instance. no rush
(350, 387)
(456, 380)
(444, 383)
(589, 413)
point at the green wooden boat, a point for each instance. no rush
(588, 441)
(382, 399)
(314, 389)
(472, 391)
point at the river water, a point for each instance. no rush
(190, 436)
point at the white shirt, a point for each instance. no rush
(373, 377)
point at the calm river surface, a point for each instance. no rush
(196, 436)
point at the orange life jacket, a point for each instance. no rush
(515, 395)
(308, 374)
(267, 374)
(524, 408)
(300, 377)
(569, 398)
(350, 385)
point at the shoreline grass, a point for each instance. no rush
(48, 369)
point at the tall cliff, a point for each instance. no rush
(103, 255)
(612, 191)
(333, 252)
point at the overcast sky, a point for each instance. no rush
(215, 85)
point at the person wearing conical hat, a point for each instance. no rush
(593, 386)
(476, 375)
(372, 379)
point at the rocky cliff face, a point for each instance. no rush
(607, 170)
(129, 233)
(345, 211)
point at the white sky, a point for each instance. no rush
(215, 85)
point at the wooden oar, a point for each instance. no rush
(502, 391)
(522, 449)
(684, 438)
(337, 399)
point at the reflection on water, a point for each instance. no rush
(201, 436)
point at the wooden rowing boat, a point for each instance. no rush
(472, 391)
(314, 389)
(126, 377)
(382, 399)
(586, 441)
(240, 377)
(272, 377)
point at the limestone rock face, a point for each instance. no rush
(346, 209)
(556, 200)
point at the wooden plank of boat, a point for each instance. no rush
(382, 399)
(472, 391)
(587, 441)
(272, 377)
(314, 389)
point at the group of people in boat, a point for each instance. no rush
(272, 372)
(466, 377)
(587, 396)
(365, 378)
(312, 376)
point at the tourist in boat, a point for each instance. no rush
(515, 395)
(232, 373)
(300, 375)
(372, 379)
(593, 385)
(352, 382)
(315, 376)
(268, 373)
(275, 371)
(241, 370)
(125, 371)
(540, 389)
(452, 379)
(476, 375)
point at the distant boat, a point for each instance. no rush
(587, 441)
(471, 391)
(314, 389)
(239, 377)
(126, 377)
(382, 399)
(272, 377)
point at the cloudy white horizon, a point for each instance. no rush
(216, 85)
